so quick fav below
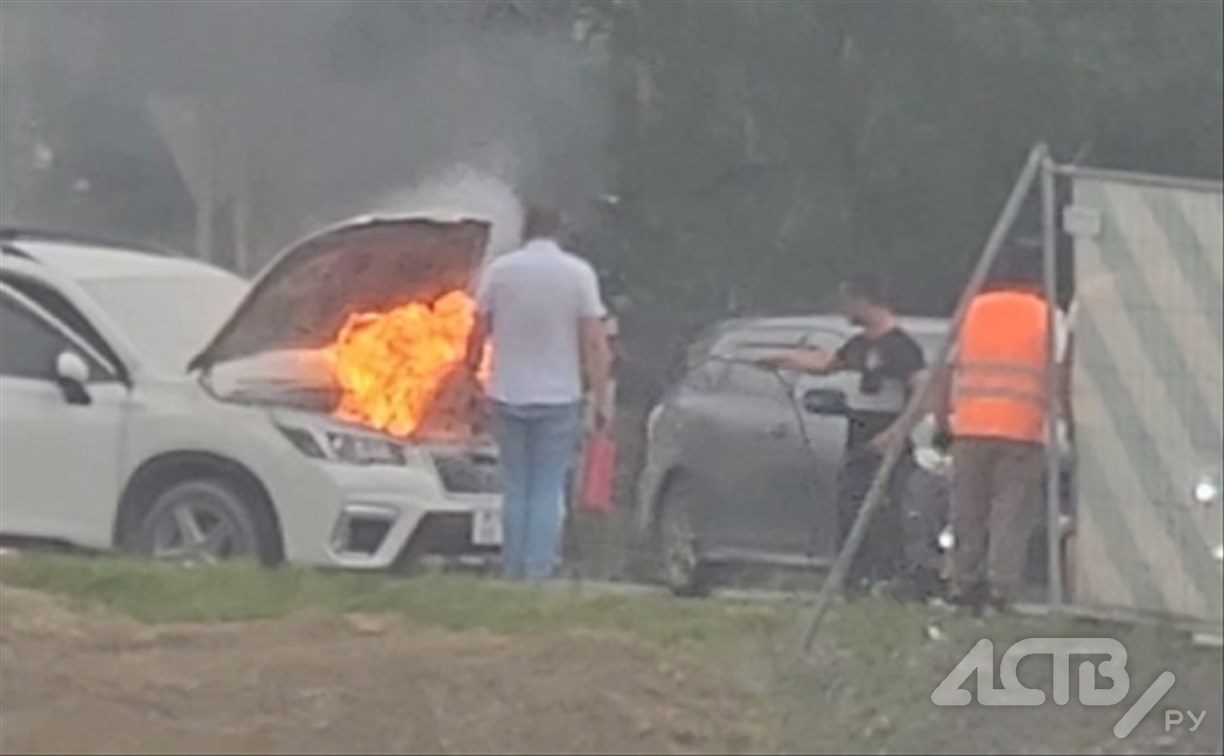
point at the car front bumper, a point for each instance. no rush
(370, 518)
(379, 534)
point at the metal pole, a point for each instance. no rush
(920, 401)
(240, 202)
(204, 223)
(1049, 228)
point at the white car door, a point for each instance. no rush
(59, 459)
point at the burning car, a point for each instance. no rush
(323, 423)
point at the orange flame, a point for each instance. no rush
(391, 365)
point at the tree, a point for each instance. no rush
(764, 149)
(756, 151)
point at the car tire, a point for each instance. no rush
(204, 519)
(681, 566)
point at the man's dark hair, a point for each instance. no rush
(542, 223)
(1020, 264)
(869, 286)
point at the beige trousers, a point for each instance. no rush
(995, 487)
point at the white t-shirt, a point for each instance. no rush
(535, 298)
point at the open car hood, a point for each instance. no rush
(306, 293)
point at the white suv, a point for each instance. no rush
(117, 433)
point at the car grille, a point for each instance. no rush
(444, 534)
(464, 472)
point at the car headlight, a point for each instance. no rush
(1207, 490)
(363, 450)
(348, 448)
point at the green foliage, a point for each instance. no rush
(157, 593)
(760, 150)
(765, 148)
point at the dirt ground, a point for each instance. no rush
(657, 677)
(89, 681)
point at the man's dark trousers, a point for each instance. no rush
(882, 553)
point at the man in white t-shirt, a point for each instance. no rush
(541, 307)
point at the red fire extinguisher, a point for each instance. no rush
(599, 464)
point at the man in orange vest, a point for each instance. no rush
(994, 409)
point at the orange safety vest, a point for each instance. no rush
(999, 388)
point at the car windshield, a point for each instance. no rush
(169, 320)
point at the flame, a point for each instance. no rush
(391, 365)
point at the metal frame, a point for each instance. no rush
(1056, 600)
(1038, 159)
(1130, 177)
(1053, 489)
(1072, 607)
(1038, 166)
(1120, 615)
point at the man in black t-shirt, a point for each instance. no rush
(890, 364)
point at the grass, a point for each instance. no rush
(876, 664)
(866, 688)
(599, 545)
(159, 593)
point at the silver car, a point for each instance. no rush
(742, 463)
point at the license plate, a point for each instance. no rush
(486, 528)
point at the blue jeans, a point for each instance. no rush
(538, 444)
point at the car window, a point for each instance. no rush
(693, 356)
(29, 346)
(710, 375)
(60, 308)
(754, 343)
(750, 380)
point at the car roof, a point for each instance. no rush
(915, 324)
(10, 234)
(756, 333)
(87, 259)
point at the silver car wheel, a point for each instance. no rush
(683, 569)
(679, 546)
(199, 522)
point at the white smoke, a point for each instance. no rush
(318, 106)
(465, 191)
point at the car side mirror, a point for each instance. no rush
(72, 375)
(825, 402)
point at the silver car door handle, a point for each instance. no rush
(777, 431)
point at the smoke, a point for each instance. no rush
(465, 191)
(326, 108)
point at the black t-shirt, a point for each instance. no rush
(885, 365)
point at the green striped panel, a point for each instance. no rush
(1148, 396)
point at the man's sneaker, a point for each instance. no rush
(997, 604)
(921, 586)
(889, 589)
(856, 588)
